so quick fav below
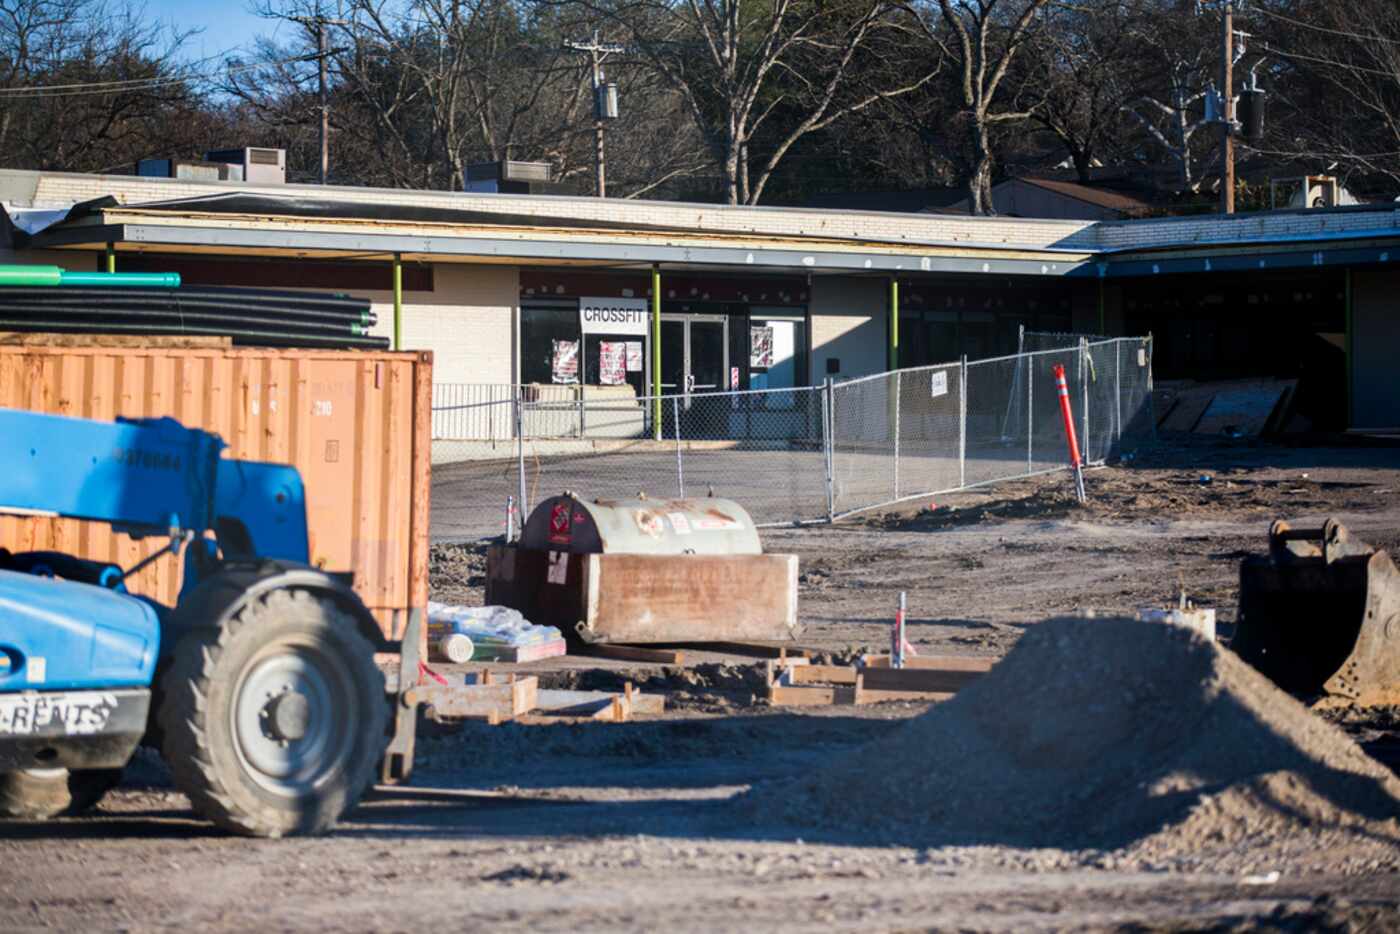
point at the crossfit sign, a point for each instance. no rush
(613, 316)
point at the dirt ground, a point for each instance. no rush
(635, 826)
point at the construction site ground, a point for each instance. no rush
(640, 826)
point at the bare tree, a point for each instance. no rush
(755, 79)
(1335, 71)
(1083, 64)
(984, 36)
(88, 86)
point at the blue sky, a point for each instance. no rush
(226, 26)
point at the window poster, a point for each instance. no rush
(565, 364)
(634, 356)
(612, 363)
(761, 346)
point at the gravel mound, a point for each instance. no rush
(1108, 734)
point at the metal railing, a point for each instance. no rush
(815, 453)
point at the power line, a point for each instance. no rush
(137, 84)
(1359, 69)
(1335, 32)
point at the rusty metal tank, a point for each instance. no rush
(641, 527)
(646, 571)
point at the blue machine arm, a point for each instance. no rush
(151, 477)
(144, 477)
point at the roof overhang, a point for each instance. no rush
(266, 237)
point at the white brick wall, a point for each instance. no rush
(848, 321)
(467, 321)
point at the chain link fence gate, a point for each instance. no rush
(788, 455)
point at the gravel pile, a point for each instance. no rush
(1116, 735)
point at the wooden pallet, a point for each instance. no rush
(599, 706)
(801, 684)
(482, 697)
(635, 653)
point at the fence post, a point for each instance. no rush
(1084, 393)
(962, 423)
(582, 424)
(1030, 411)
(828, 431)
(896, 420)
(520, 450)
(680, 467)
(1151, 410)
(1118, 389)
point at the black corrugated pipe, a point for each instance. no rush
(171, 300)
(177, 319)
(184, 310)
(186, 307)
(240, 336)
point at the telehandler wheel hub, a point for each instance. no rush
(285, 724)
(288, 716)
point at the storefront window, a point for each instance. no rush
(545, 335)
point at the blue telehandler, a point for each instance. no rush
(259, 686)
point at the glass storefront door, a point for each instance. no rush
(694, 354)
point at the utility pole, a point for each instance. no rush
(320, 22)
(1227, 108)
(604, 102)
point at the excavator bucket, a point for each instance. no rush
(1320, 615)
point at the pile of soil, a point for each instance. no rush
(1117, 735)
(457, 573)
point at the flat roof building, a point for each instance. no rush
(496, 284)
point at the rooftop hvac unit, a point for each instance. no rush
(506, 176)
(186, 168)
(1311, 191)
(260, 166)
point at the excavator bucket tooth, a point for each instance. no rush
(1320, 615)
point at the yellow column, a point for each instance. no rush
(398, 302)
(894, 324)
(656, 351)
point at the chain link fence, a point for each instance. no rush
(788, 455)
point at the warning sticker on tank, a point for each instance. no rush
(560, 531)
(77, 714)
(715, 522)
(679, 522)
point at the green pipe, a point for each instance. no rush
(30, 275)
(656, 350)
(398, 302)
(138, 280)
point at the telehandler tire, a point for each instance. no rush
(274, 724)
(38, 794)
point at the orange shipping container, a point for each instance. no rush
(356, 424)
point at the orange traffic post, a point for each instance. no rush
(1063, 390)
